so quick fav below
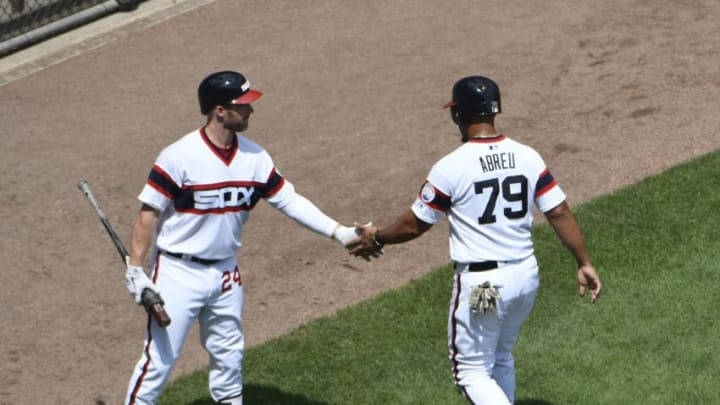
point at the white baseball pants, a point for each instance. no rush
(480, 345)
(211, 294)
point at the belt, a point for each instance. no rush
(482, 266)
(191, 258)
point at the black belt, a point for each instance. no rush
(482, 266)
(191, 258)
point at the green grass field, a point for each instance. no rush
(650, 338)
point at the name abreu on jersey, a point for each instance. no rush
(497, 161)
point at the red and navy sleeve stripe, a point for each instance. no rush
(274, 183)
(162, 182)
(545, 183)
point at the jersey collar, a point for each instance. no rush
(498, 138)
(225, 155)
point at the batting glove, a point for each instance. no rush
(484, 297)
(345, 235)
(137, 281)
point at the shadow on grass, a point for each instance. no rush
(264, 395)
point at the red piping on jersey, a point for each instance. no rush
(221, 154)
(498, 138)
(213, 186)
(214, 210)
(156, 186)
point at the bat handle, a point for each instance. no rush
(153, 305)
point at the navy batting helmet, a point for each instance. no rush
(223, 88)
(474, 95)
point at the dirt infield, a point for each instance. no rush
(609, 92)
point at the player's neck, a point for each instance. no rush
(481, 130)
(219, 135)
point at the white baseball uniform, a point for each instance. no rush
(486, 187)
(205, 197)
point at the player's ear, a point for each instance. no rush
(219, 112)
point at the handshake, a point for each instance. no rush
(360, 240)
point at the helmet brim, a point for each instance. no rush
(249, 97)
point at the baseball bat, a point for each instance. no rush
(150, 300)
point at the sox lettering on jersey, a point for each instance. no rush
(214, 198)
(230, 197)
(219, 199)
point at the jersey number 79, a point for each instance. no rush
(511, 194)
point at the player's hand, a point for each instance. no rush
(345, 234)
(588, 278)
(348, 236)
(137, 281)
(365, 245)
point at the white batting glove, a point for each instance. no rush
(345, 234)
(137, 281)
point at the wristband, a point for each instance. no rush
(376, 238)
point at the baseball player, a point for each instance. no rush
(486, 188)
(197, 198)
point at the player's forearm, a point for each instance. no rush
(563, 222)
(406, 227)
(142, 234)
(310, 216)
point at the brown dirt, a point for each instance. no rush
(609, 92)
